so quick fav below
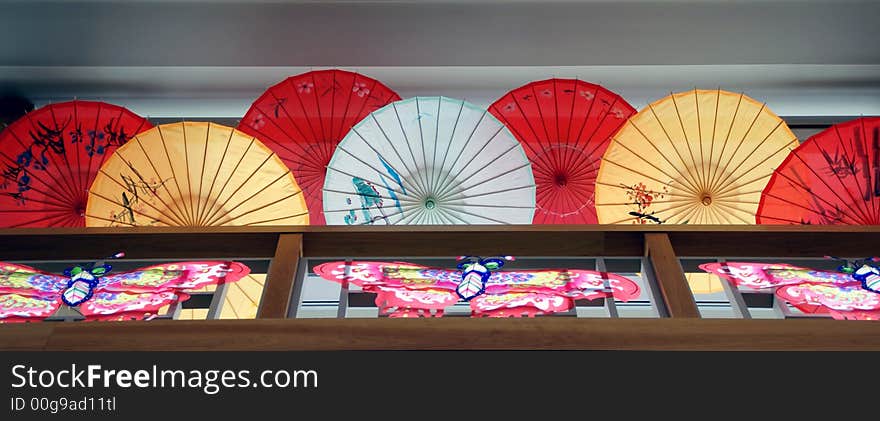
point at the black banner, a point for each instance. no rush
(388, 384)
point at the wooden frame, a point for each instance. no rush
(663, 245)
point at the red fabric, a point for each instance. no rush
(832, 178)
(565, 126)
(304, 117)
(49, 158)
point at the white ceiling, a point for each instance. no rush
(209, 58)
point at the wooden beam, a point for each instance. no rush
(451, 333)
(281, 276)
(677, 295)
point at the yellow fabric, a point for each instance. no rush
(697, 157)
(242, 300)
(704, 283)
(194, 174)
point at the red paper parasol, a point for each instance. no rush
(832, 178)
(304, 117)
(50, 157)
(565, 126)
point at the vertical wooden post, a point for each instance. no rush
(670, 276)
(280, 279)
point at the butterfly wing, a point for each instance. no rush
(21, 308)
(749, 274)
(27, 281)
(535, 292)
(518, 304)
(180, 275)
(402, 289)
(792, 276)
(106, 304)
(834, 297)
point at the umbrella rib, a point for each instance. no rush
(550, 143)
(216, 206)
(122, 141)
(461, 211)
(566, 152)
(131, 209)
(47, 195)
(332, 138)
(210, 206)
(434, 168)
(82, 183)
(622, 186)
(416, 174)
(721, 182)
(173, 173)
(191, 208)
(672, 179)
(198, 210)
(687, 182)
(76, 192)
(727, 136)
(874, 168)
(379, 196)
(403, 193)
(808, 209)
(217, 219)
(342, 121)
(280, 218)
(324, 139)
(302, 106)
(58, 180)
(56, 215)
(373, 182)
(731, 183)
(417, 189)
(111, 221)
(178, 216)
(587, 118)
(435, 183)
(808, 189)
(174, 217)
(712, 141)
(549, 163)
(495, 192)
(693, 180)
(724, 205)
(213, 217)
(447, 174)
(859, 185)
(422, 140)
(721, 173)
(448, 188)
(589, 153)
(520, 136)
(699, 137)
(461, 192)
(445, 189)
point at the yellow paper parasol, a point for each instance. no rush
(241, 301)
(697, 157)
(194, 174)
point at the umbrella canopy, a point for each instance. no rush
(429, 160)
(195, 174)
(832, 178)
(304, 117)
(564, 126)
(697, 157)
(50, 157)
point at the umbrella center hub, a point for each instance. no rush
(430, 203)
(561, 179)
(706, 199)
